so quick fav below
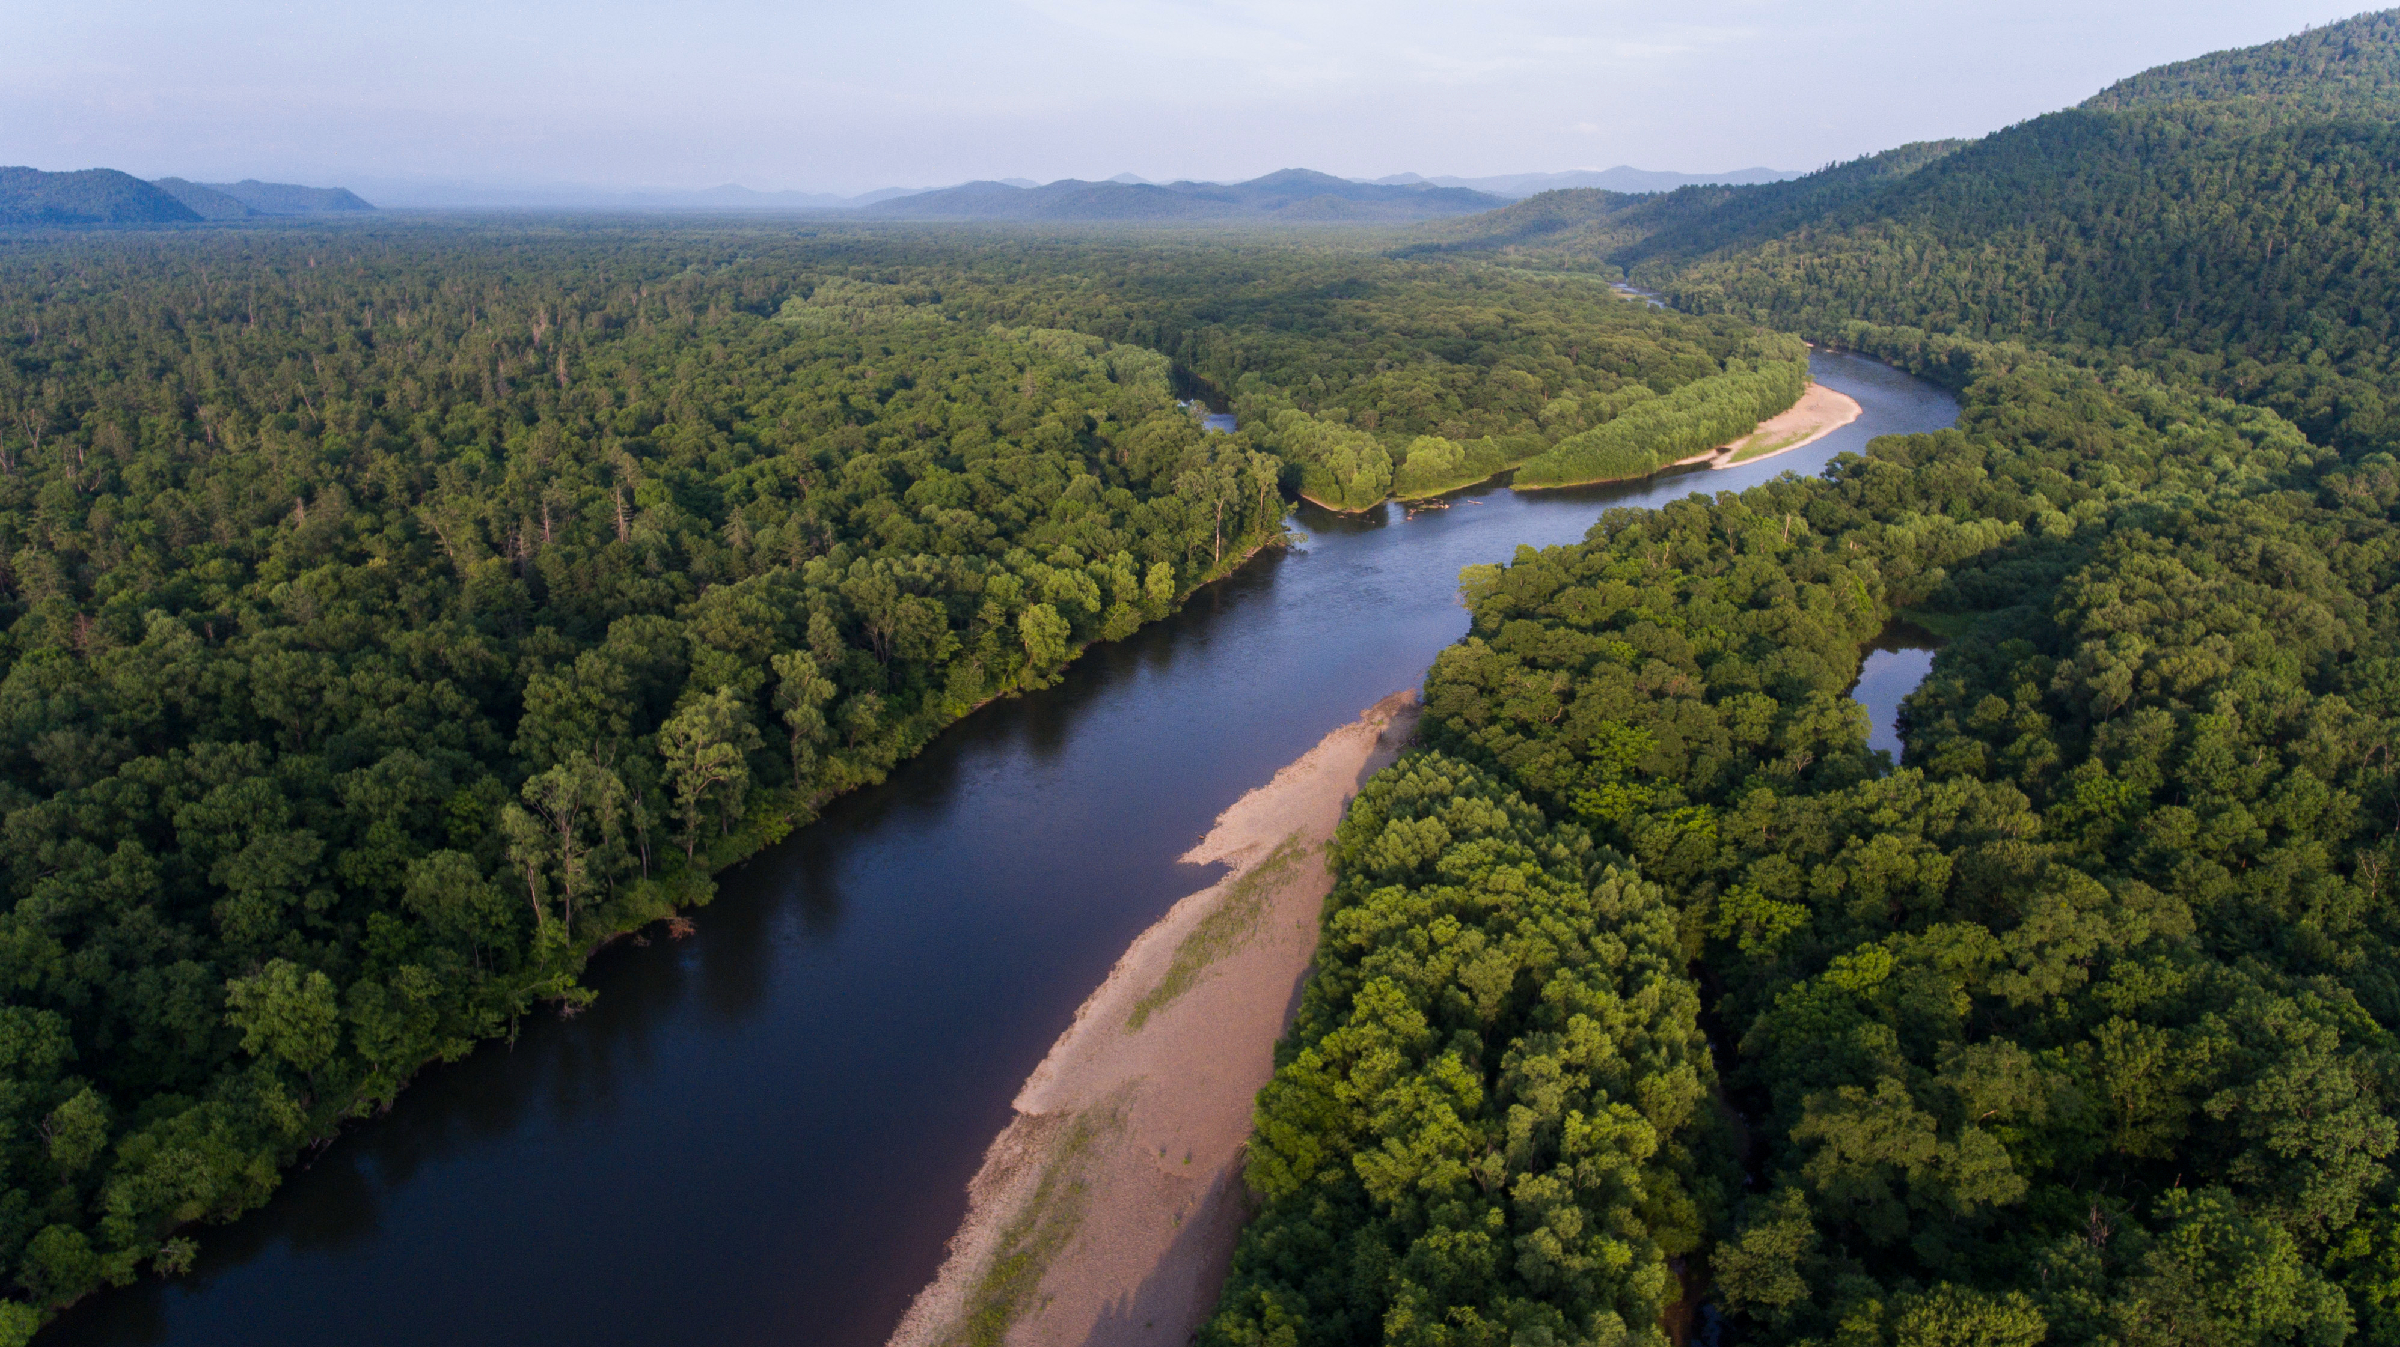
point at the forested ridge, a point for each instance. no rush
(2076, 1025)
(29, 196)
(2229, 220)
(393, 613)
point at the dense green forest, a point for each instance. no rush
(2231, 221)
(393, 613)
(388, 627)
(1376, 377)
(2076, 1028)
(2076, 1025)
(390, 614)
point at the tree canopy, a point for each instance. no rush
(2077, 1024)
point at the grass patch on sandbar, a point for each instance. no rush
(1221, 932)
(1051, 1217)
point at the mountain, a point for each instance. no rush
(91, 196)
(2345, 69)
(1066, 199)
(283, 198)
(1294, 194)
(2244, 204)
(206, 202)
(1629, 227)
(1623, 178)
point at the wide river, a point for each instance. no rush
(763, 1133)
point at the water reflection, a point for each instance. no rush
(1896, 662)
(764, 1133)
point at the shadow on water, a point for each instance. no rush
(763, 1133)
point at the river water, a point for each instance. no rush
(762, 1134)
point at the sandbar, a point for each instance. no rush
(1819, 412)
(1108, 1210)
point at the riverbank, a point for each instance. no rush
(1109, 1208)
(1819, 412)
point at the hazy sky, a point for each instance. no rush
(845, 97)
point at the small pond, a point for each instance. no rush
(1897, 661)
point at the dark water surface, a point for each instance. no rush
(1896, 662)
(763, 1134)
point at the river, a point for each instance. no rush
(762, 1133)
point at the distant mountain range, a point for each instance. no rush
(1623, 178)
(251, 198)
(104, 196)
(29, 196)
(1295, 194)
(107, 197)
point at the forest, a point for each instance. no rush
(2073, 1026)
(392, 614)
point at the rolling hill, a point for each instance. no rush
(93, 196)
(207, 202)
(1294, 195)
(283, 198)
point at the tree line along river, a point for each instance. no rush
(763, 1133)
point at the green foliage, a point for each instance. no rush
(1343, 469)
(2347, 69)
(1694, 419)
(2079, 1027)
(1574, 227)
(2118, 931)
(1490, 1102)
(380, 604)
(1351, 365)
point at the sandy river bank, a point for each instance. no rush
(1819, 412)
(1107, 1212)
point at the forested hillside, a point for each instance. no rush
(2075, 1026)
(393, 613)
(2230, 219)
(96, 196)
(1568, 227)
(2349, 69)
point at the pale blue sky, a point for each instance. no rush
(814, 96)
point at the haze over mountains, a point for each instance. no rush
(1294, 194)
(108, 197)
(250, 198)
(1622, 178)
(105, 196)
